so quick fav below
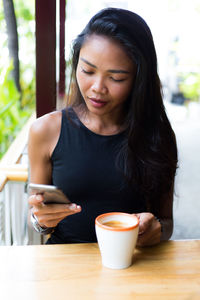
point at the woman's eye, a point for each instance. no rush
(86, 72)
(117, 80)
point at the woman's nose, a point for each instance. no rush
(99, 86)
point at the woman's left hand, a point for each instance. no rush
(149, 230)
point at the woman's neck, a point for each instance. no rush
(101, 124)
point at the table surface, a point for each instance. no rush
(170, 270)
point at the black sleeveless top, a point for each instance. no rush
(83, 166)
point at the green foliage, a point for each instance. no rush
(12, 115)
(24, 10)
(190, 86)
(15, 109)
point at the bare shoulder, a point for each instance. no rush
(45, 130)
(47, 123)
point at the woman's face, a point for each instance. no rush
(105, 75)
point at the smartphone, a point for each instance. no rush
(50, 193)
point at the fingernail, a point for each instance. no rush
(38, 197)
(72, 206)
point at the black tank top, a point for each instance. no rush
(83, 166)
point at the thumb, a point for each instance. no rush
(35, 199)
(144, 222)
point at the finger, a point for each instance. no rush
(51, 217)
(145, 222)
(151, 236)
(51, 211)
(51, 220)
(56, 208)
(35, 199)
(151, 224)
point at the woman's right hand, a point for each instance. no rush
(49, 215)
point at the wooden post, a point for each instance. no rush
(61, 85)
(45, 56)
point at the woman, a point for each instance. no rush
(112, 148)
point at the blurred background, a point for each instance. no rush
(175, 27)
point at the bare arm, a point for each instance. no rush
(43, 137)
(39, 152)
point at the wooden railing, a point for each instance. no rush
(11, 166)
(14, 229)
(17, 172)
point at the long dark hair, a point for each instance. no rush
(148, 156)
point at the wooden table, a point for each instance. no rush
(170, 270)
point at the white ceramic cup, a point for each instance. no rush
(117, 242)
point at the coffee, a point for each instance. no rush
(116, 224)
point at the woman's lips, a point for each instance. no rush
(97, 102)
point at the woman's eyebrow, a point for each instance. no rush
(111, 71)
(88, 63)
(119, 71)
